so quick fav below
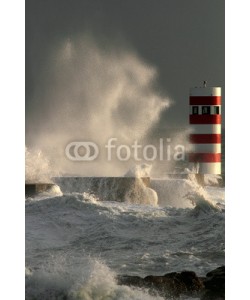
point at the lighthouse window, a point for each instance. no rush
(195, 110)
(216, 110)
(206, 110)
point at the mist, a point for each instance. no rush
(92, 92)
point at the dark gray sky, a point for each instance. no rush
(183, 39)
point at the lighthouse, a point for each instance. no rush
(205, 137)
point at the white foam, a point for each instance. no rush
(38, 167)
(89, 280)
(172, 192)
(100, 284)
(140, 194)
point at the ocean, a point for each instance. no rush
(78, 242)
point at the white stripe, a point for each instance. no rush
(206, 148)
(205, 91)
(208, 168)
(206, 128)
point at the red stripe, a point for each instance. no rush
(205, 100)
(205, 138)
(205, 119)
(205, 157)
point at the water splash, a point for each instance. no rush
(37, 167)
(200, 198)
(89, 280)
(139, 171)
(91, 92)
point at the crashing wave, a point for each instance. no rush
(87, 281)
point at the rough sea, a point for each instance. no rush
(76, 243)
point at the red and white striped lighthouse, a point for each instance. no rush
(205, 120)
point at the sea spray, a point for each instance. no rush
(92, 93)
(140, 193)
(38, 167)
(91, 279)
(184, 193)
(101, 284)
(171, 192)
(139, 171)
(201, 200)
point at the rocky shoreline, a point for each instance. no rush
(173, 285)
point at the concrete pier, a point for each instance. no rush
(94, 185)
(32, 189)
(100, 186)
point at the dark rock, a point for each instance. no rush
(175, 283)
(130, 280)
(211, 287)
(171, 284)
(165, 286)
(215, 285)
(192, 281)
